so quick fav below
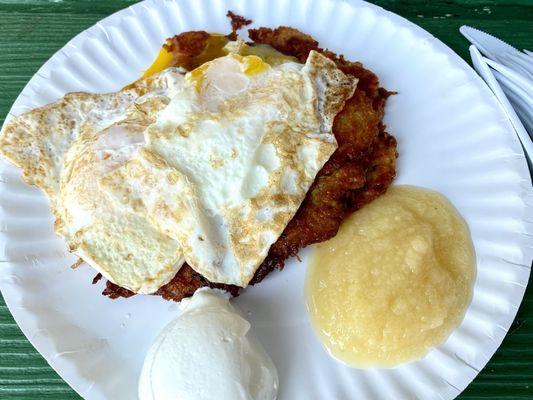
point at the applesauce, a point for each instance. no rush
(394, 282)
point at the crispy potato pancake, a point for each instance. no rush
(360, 170)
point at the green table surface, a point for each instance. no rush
(32, 30)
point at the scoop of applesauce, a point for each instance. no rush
(394, 282)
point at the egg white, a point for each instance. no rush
(206, 167)
(240, 143)
(63, 148)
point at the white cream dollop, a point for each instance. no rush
(208, 352)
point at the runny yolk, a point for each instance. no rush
(214, 48)
(250, 65)
(253, 65)
(161, 62)
(197, 76)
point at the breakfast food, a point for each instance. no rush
(407, 264)
(208, 352)
(230, 158)
(360, 169)
(66, 146)
(222, 161)
(206, 167)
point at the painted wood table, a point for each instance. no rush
(32, 30)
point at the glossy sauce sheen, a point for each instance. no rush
(394, 282)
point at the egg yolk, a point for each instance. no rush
(162, 61)
(197, 76)
(250, 65)
(214, 48)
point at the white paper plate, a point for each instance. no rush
(452, 138)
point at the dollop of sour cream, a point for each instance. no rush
(208, 352)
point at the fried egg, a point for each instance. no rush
(229, 160)
(63, 148)
(206, 167)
